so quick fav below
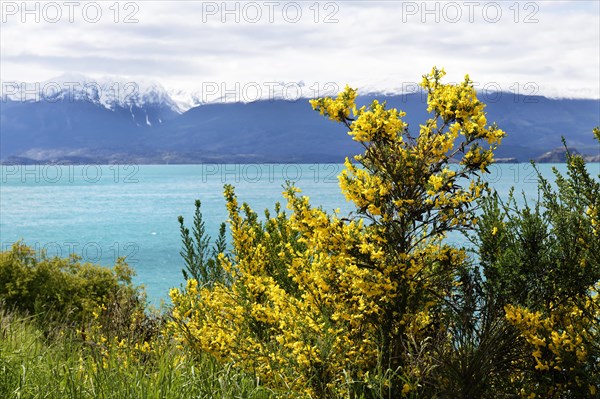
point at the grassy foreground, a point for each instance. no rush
(35, 364)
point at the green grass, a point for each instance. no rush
(35, 364)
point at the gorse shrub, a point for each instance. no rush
(317, 303)
(377, 304)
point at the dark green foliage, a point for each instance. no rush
(514, 247)
(545, 258)
(533, 256)
(201, 261)
(575, 249)
(476, 348)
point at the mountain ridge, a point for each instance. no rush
(150, 127)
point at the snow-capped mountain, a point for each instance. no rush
(74, 118)
(110, 92)
(113, 92)
(249, 92)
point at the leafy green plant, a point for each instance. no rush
(64, 290)
(542, 264)
(201, 260)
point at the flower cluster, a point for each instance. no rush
(563, 344)
(339, 109)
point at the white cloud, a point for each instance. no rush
(552, 45)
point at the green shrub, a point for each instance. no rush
(542, 267)
(62, 290)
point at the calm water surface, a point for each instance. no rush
(103, 212)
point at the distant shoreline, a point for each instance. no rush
(587, 158)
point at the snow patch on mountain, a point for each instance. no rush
(108, 91)
(112, 92)
(185, 99)
(133, 94)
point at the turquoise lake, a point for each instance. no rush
(103, 212)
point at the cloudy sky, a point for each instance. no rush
(534, 47)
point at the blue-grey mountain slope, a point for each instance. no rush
(155, 131)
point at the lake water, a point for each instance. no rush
(103, 212)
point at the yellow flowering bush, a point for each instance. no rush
(564, 347)
(314, 303)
